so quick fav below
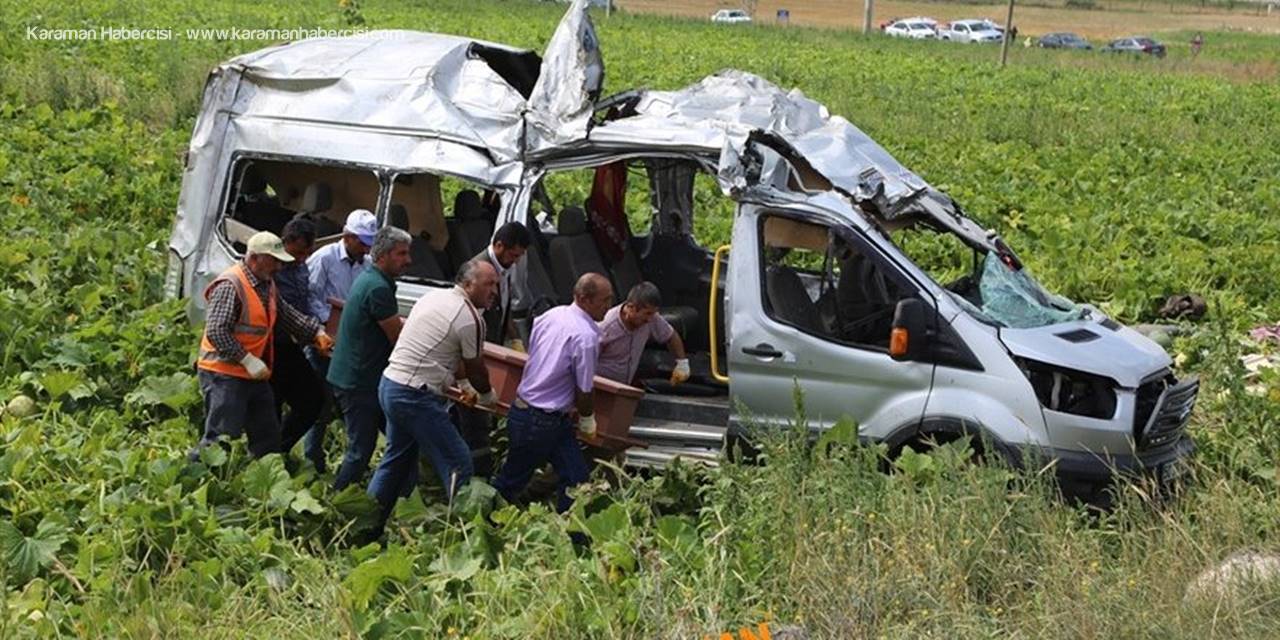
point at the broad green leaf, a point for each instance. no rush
(411, 509)
(265, 478)
(676, 532)
(475, 497)
(365, 580)
(843, 433)
(609, 523)
(917, 466)
(282, 495)
(213, 456)
(60, 383)
(457, 563)
(354, 503)
(176, 391)
(304, 502)
(24, 556)
(619, 554)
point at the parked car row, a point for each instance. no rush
(1135, 44)
(984, 30)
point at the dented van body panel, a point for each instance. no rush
(1033, 375)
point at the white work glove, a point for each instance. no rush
(587, 425)
(488, 399)
(516, 344)
(468, 394)
(255, 366)
(681, 372)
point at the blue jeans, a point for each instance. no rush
(535, 437)
(364, 419)
(313, 444)
(417, 424)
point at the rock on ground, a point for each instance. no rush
(1245, 570)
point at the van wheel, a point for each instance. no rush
(924, 442)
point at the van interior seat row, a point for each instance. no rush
(574, 252)
(425, 261)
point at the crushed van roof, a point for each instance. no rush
(426, 83)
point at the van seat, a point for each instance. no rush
(424, 260)
(573, 253)
(317, 200)
(789, 301)
(538, 282)
(626, 271)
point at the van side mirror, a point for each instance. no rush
(909, 339)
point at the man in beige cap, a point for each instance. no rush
(236, 350)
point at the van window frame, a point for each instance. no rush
(849, 234)
(382, 174)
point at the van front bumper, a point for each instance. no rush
(1160, 436)
(1085, 475)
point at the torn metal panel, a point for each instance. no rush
(572, 76)
(727, 112)
(201, 171)
(416, 83)
(735, 103)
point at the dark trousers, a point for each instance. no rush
(236, 405)
(294, 383)
(534, 438)
(313, 447)
(475, 426)
(364, 420)
(418, 424)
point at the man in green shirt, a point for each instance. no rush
(368, 329)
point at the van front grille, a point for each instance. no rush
(1166, 414)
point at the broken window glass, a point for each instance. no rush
(1012, 298)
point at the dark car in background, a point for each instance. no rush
(1136, 44)
(1063, 41)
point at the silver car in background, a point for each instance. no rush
(976, 31)
(731, 16)
(913, 28)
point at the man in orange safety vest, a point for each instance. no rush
(234, 364)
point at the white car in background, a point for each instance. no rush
(731, 16)
(972, 31)
(914, 28)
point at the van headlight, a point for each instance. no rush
(1068, 391)
(173, 277)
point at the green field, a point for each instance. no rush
(1120, 182)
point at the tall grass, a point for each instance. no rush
(826, 541)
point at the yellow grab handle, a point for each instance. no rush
(711, 314)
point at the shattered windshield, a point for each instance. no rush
(1012, 298)
(986, 286)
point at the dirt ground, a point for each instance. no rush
(1114, 19)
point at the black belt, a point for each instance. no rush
(519, 403)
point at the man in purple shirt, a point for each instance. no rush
(557, 383)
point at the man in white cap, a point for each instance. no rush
(235, 359)
(333, 268)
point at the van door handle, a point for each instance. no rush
(762, 350)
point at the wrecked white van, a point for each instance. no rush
(831, 284)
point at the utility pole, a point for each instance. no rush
(866, 16)
(1008, 34)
